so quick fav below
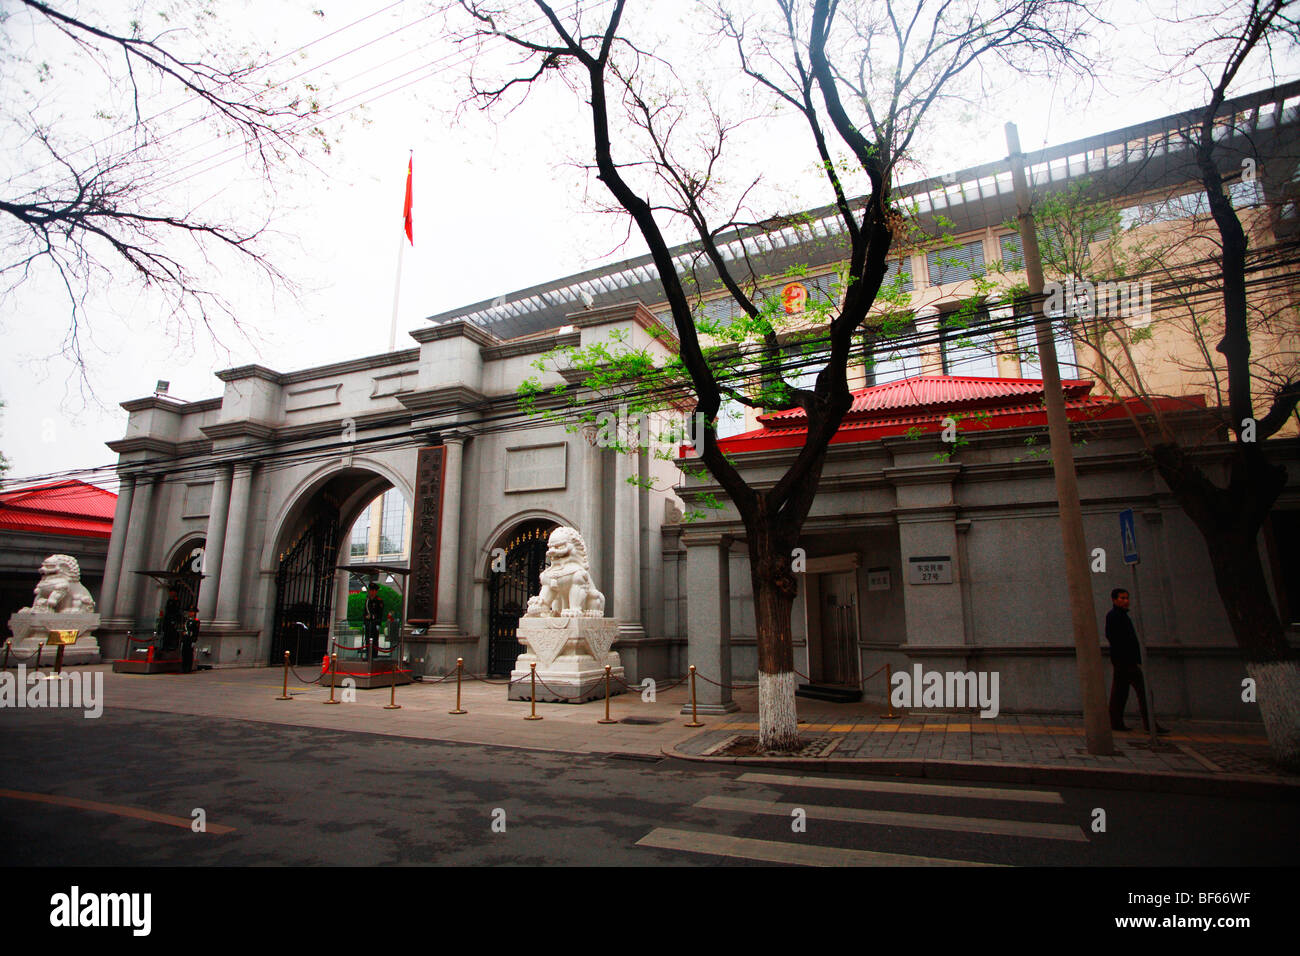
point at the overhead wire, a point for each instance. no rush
(273, 455)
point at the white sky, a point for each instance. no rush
(496, 208)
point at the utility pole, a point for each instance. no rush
(1087, 643)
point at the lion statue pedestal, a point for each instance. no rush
(62, 604)
(565, 631)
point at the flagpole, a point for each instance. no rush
(397, 291)
(406, 236)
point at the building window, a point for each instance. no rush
(964, 349)
(1030, 367)
(392, 529)
(893, 357)
(361, 535)
(956, 265)
(1186, 206)
(896, 267)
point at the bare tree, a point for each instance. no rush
(87, 210)
(1221, 272)
(1231, 515)
(861, 79)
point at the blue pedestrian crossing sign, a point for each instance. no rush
(1128, 536)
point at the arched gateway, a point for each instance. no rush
(273, 473)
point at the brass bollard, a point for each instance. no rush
(285, 693)
(695, 719)
(37, 665)
(889, 682)
(607, 720)
(8, 644)
(334, 676)
(392, 689)
(460, 666)
(533, 676)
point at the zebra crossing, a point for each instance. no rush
(821, 800)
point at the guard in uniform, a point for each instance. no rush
(373, 619)
(188, 640)
(171, 621)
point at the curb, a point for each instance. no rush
(1227, 784)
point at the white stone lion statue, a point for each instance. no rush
(567, 588)
(60, 589)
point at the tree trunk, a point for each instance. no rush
(774, 591)
(1239, 576)
(1230, 520)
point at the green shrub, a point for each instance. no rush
(357, 605)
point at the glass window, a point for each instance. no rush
(956, 265)
(1030, 367)
(895, 267)
(361, 535)
(731, 418)
(893, 357)
(965, 350)
(1013, 252)
(392, 532)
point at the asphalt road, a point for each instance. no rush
(310, 797)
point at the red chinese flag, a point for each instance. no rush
(406, 207)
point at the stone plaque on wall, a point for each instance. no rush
(426, 537)
(931, 569)
(537, 468)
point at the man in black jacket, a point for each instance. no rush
(1126, 659)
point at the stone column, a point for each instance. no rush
(708, 620)
(593, 495)
(116, 546)
(341, 596)
(449, 543)
(627, 548)
(214, 546)
(229, 598)
(139, 534)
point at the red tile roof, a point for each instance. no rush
(59, 507)
(948, 392)
(919, 405)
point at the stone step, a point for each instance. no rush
(834, 694)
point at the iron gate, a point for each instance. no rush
(304, 591)
(189, 565)
(510, 590)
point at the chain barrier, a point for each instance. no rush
(495, 683)
(658, 685)
(23, 660)
(863, 683)
(557, 693)
(440, 680)
(302, 680)
(726, 686)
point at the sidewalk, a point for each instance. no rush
(1196, 757)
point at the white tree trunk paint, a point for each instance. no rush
(1277, 688)
(778, 722)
